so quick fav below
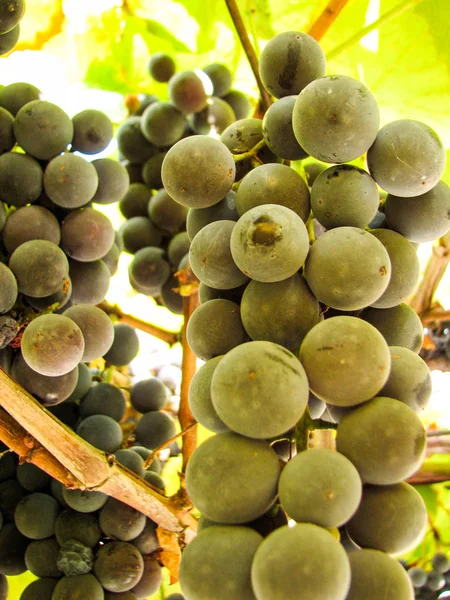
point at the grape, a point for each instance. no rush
(90, 281)
(41, 557)
(111, 259)
(154, 428)
(101, 431)
(132, 143)
(21, 179)
(70, 181)
(2, 215)
(172, 299)
(81, 586)
(231, 478)
(187, 92)
(120, 521)
(178, 248)
(175, 597)
(113, 181)
(43, 129)
(118, 566)
(383, 454)
(84, 501)
(52, 345)
(147, 541)
(135, 201)
(151, 170)
(16, 95)
(313, 169)
(148, 267)
(75, 559)
(407, 158)
(92, 131)
(214, 328)
(144, 100)
(9, 40)
(11, 493)
(435, 581)
(303, 562)
(344, 195)
(74, 525)
(225, 210)
(40, 589)
(12, 550)
(320, 486)
(32, 478)
(131, 460)
(161, 67)
(4, 587)
(215, 117)
(273, 184)
(25, 516)
(198, 171)
(377, 575)
(206, 293)
(155, 480)
(239, 103)
(162, 124)
(420, 218)
(281, 312)
(8, 289)
(337, 263)
(7, 139)
(409, 379)
(440, 563)
(417, 576)
(166, 213)
(30, 223)
(148, 394)
(11, 12)
(84, 383)
(391, 518)
(125, 346)
(269, 243)
(243, 135)
(217, 563)
(200, 401)
(138, 233)
(278, 132)
(86, 235)
(8, 465)
(96, 327)
(290, 61)
(347, 361)
(405, 268)
(399, 325)
(67, 413)
(120, 596)
(40, 267)
(259, 389)
(210, 256)
(221, 78)
(151, 579)
(103, 399)
(335, 119)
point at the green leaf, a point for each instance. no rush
(259, 17)
(156, 29)
(429, 496)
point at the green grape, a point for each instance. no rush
(40, 588)
(151, 579)
(131, 460)
(132, 143)
(118, 566)
(74, 525)
(269, 243)
(86, 234)
(113, 181)
(187, 92)
(138, 233)
(217, 564)
(21, 179)
(7, 139)
(399, 325)
(335, 119)
(90, 281)
(289, 62)
(84, 501)
(9, 40)
(11, 13)
(390, 518)
(70, 181)
(13, 545)
(165, 213)
(154, 428)
(8, 289)
(120, 521)
(206, 293)
(232, 479)
(101, 431)
(125, 346)
(377, 575)
(31, 477)
(199, 397)
(409, 379)
(221, 78)
(25, 516)
(171, 297)
(215, 117)
(103, 399)
(161, 67)
(178, 248)
(162, 124)
(16, 95)
(320, 486)
(278, 132)
(347, 361)
(81, 586)
(30, 223)
(273, 184)
(337, 263)
(41, 557)
(198, 171)
(407, 158)
(313, 168)
(148, 268)
(225, 210)
(281, 312)
(92, 131)
(96, 327)
(384, 439)
(304, 562)
(147, 542)
(151, 170)
(239, 103)
(149, 394)
(135, 202)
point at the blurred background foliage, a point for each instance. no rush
(92, 53)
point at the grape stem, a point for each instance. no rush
(241, 30)
(310, 229)
(326, 18)
(151, 457)
(250, 154)
(304, 426)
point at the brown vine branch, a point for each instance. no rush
(151, 457)
(326, 19)
(38, 437)
(241, 30)
(164, 335)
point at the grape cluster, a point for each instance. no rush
(11, 13)
(302, 310)
(431, 585)
(155, 228)
(85, 544)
